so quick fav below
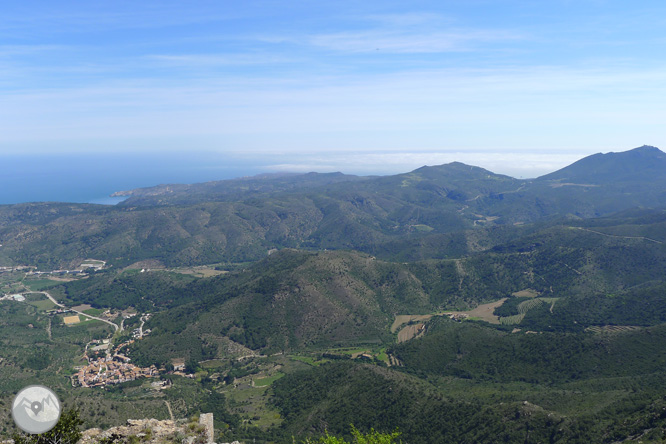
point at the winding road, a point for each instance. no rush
(115, 326)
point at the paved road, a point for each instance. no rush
(115, 326)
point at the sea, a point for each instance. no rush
(92, 178)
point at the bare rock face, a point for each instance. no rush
(153, 431)
(150, 431)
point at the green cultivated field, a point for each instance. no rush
(40, 284)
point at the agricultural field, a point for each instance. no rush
(612, 329)
(525, 306)
(40, 284)
(527, 293)
(512, 320)
(410, 332)
(268, 380)
(483, 312)
(43, 304)
(203, 271)
(405, 319)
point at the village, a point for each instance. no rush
(107, 365)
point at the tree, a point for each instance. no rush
(191, 366)
(372, 437)
(66, 431)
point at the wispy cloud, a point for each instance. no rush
(298, 79)
(233, 59)
(400, 41)
(398, 34)
(421, 110)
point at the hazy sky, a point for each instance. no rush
(519, 87)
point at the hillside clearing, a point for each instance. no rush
(483, 312)
(411, 332)
(405, 319)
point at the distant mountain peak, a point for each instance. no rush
(646, 150)
(451, 167)
(639, 163)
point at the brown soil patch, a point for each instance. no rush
(71, 320)
(405, 319)
(411, 332)
(357, 354)
(83, 307)
(526, 293)
(483, 312)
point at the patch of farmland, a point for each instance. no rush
(405, 319)
(526, 306)
(483, 312)
(83, 307)
(512, 320)
(612, 329)
(411, 332)
(526, 293)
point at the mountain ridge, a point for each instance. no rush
(316, 211)
(613, 166)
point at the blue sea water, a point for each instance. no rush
(91, 178)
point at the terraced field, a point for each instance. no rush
(483, 312)
(612, 329)
(526, 306)
(512, 320)
(406, 319)
(411, 332)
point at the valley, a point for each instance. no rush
(292, 305)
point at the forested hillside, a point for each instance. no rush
(242, 220)
(451, 303)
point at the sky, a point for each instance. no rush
(373, 87)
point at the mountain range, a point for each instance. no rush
(240, 220)
(455, 304)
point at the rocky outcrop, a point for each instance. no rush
(155, 431)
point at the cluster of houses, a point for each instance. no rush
(102, 371)
(81, 271)
(55, 273)
(17, 268)
(107, 367)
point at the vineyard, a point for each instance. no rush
(526, 306)
(612, 329)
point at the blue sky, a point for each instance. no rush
(518, 87)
